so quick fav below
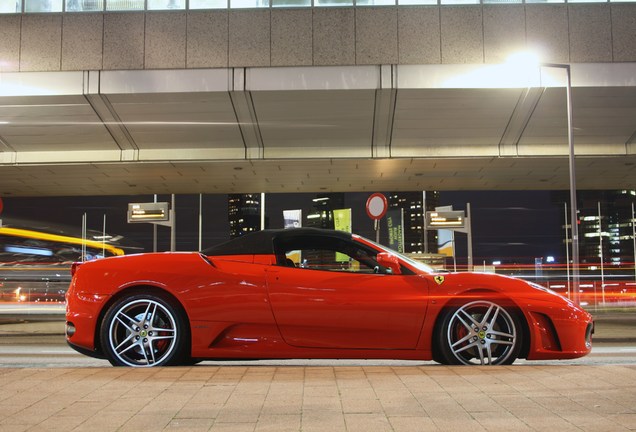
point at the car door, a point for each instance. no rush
(330, 297)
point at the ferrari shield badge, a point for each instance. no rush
(439, 279)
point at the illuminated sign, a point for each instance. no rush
(445, 219)
(148, 212)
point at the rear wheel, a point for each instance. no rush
(144, 330)
(479, 333)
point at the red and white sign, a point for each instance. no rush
(377, 206)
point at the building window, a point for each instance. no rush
(245, 4)
(166, 4)
(208, 4)
(333, 2)
(84, 5)
(417, 2)
(43, 6)
(113, 5)
(10, 6)
(291, 3)
(375, 2)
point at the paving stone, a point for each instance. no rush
(307, 399)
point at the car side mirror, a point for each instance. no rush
(389, 261)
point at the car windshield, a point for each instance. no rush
(413, 263)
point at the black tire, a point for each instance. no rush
(480, 332)
(145, 330)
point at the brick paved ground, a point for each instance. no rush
(258, 398)
(324, 399)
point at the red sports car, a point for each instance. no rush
(311, 293)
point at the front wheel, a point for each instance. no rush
(144, 330)
(479, 333)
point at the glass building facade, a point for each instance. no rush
(244, 213)
(43, 6)
(322, 212)
(606, 234)
(606, 230)
(414, 206)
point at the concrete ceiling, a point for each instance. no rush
(311, 130)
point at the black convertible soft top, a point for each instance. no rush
(262, 242)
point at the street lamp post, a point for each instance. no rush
(528, 60)
(573, 204)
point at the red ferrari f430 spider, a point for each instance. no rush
(311, 293)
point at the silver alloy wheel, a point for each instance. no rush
(481, 333)
(142, 333)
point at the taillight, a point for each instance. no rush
(74, 267)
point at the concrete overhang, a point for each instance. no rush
(315, 129)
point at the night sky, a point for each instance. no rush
(511, 226)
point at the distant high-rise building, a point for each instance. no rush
(244, 213)
(615, 228)
(613, 238)
(414, 205)
(323, 207)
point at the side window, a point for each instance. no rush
(327, 254)
(328, 260)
